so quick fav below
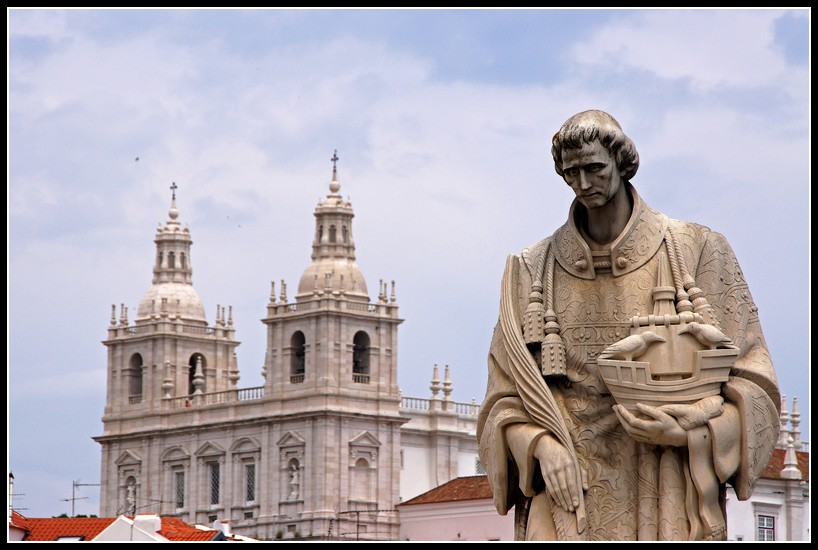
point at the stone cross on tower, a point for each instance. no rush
(334, 160)
(173, 189)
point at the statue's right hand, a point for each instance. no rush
(558, 471)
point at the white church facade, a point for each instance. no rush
(325, 449)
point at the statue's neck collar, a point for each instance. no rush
(638, 242)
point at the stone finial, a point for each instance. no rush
(229, 316)
(790, 470)
(795, 420)
(435, 385)
(167, 382)
(121, 314)
(784, 420)
(126, 315)
(233, 375)
(198, 377)
(283, 297)
(113, 315)
(447, 384)
(392, 297)
(272, 292)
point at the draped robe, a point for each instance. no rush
(634, 491)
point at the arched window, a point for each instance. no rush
(320, 233)
(182, 261)
(135, 377)
(345, 233)
(171, 260)
(360, 357)
(197, 366)
(159, 260)
(298, 357)
(332, 233)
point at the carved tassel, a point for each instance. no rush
(533, 318)
(553, 348)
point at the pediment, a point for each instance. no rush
(128, 457)
(291, 439)
(177, 452)
(244, 445)
(209, 449)
(364, 439)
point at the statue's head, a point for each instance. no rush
(587, 126)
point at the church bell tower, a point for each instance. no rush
(332, 365)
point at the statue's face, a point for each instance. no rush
(592, 173)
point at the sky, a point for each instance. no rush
(442, 120)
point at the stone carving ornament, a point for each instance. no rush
(629, 380)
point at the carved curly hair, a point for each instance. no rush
(587, 126)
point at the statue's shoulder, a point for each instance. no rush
(533, 257)
(695, 235)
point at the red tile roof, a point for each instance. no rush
(177, 530)
(776, 464)
(55, 528)
(42, 529)
(17, 519)
(462, 488)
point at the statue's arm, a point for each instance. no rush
(744, 435)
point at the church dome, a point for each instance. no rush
(344, 275)
(333, 267)
(172, 291)
(174, 298)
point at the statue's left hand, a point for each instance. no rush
(659, 428)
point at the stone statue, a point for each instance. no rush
(629, 379)
(295, 481)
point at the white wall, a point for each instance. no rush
(415, 475)
(472, 520)
(770, 498)
(466, 462)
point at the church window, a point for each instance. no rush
(332, 233)
(298, 356)
(171, 260)
(360, 357)
(135, 378)
(250, 482)
(345, 233)
(179, 488)
(159, 260)
(214, 477)
(320, 236)
(182, 261)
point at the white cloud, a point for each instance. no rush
(709, 47)
(38, 23)
(446, 177)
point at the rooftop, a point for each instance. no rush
(461, 488)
